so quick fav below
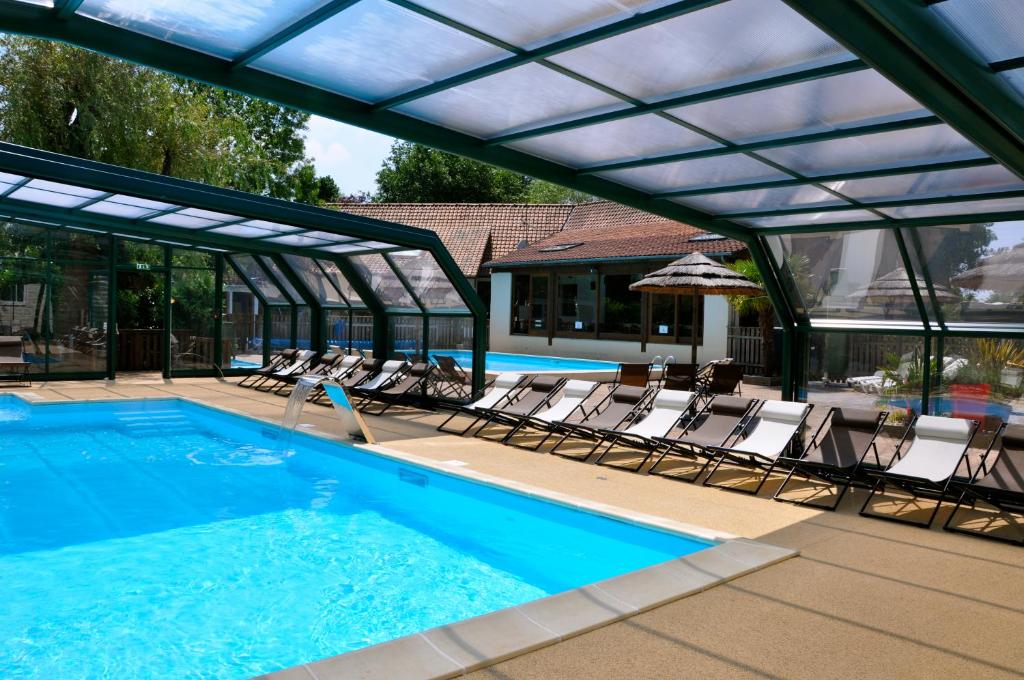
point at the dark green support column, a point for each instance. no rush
(926, 373)
(168, 314)
(112, 310)
(218, 304)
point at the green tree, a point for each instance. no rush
(546, 192)
(413, 173)
(760, 305)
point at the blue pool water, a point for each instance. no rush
(164, 539)
(499, 362)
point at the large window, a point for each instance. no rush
(621, 308)
(672, 319)
(576, 305)
(530, 304)
(12, 293)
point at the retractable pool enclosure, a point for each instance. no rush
(870, 153)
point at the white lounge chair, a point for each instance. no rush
(389, 372)
(574, 394)
(667, 409)
(503, 389)
(298, 365)
(769, 434)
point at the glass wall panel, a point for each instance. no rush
(870, 371)
(452, 336)
(242, 322)
(23, 306)
(316, 281)
(304, 327)
(407, 335)
(848, 275)
(334, 273)
(22, 240)
(339, 326)
(362, 331)
(78, 318)
(79, 246)
(193, 311)
(428, 281)
(977, 270)
(280, 328)
(576, 304)
(620, 307)
(520, 304)
(259, 279)
(136, 252)
(282, 281)
(983, 379)
(379, 276)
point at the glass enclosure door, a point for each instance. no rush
(140, 320)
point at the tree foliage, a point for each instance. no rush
(413, 173)
(69, 100)
(547, 192)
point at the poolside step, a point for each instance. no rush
(152, 423)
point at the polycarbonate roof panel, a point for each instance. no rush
(528, 23)
(177, 219)
(809, 106)
(431, 286)
(299, 240)
(243, 231)
(691, 174)
(940, 183)
(343, 248)
(524, 96)
(316, 283)
(55, 194)
(127, 207)
(761, 199)
(994, 28)
(258, 279)
(880, 150)
(282, 281)
(378, 275)
(224, 28)
(961, 208)
(334, 273)
(270, 226)
(376, 49)
(729, 41)
(825, 217)
(1015, 78)
(626, 139)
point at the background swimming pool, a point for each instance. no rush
(164, 539)
(526, 363)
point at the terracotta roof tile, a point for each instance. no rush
(619, 241)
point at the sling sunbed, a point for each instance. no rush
(276, 363)
(667, 408)
(390, 372)
(938, 449)
(299, 364)
(634, 375)
(999, 484)
(541, 392)
(320, 367)
(837, 456)
(574, 394)
(713, 426)
(410, 388)
(680, 377)
(773, 429)
(450, 380)
(502, 391)
(615, 411)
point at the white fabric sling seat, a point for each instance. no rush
(667, 409)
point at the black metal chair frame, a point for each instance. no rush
(530, 421)
(634, 441)
(476, 414)
(829, 474)
(496, 416)
(581, 429)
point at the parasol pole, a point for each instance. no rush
(693, 339)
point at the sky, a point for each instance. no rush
(351, 155)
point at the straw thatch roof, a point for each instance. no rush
(696, 274)
(896, 286)
(1002, 272)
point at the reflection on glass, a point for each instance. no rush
(316, 281)
(78, 318)
(848, 274)
(378, 275)
(983, 380)
(620, 307)
(428, 281)
(193, 301)
(333, 272)
(257, 277)
(242, 323)
(576, 305)
(407, 335)
(280, 328)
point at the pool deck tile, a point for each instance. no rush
(484, 640)
(409, 658)
(577, 611)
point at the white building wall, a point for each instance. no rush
(716, 328)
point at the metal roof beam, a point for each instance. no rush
(787, 77)
(855, 130)
(292, 31)
(937, 221)
(522, 56)
(62, 9)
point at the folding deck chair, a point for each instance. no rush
(617, 408)
(277, 361)
(299, 363)
(714, 425)
(667, 409)
(773, 429)
(502, 390)
(450, 380)
(574, 394)
(390, 372)
(839, 455)
(938, 449)
(344, 367)
(539, 393)
(1000, 484)
(410, 388)
(680, 377)
(634, 375)
(321, 367)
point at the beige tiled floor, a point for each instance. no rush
(866, 598)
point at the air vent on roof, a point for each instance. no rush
(522, 244)
(707, 237)
(558, 248)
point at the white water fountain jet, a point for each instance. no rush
(297, 401)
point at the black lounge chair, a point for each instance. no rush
(344, 367)
(838, 456)
(539, 393)
(668, 407)
(714, 425)
(634, 375)
(928, 467)
(299, 364)
(277, 361)
(680, 377)
(499, 392)
(615, 410)
(360, 375)
(1000, 485)
(722, 379)
(410, 388)
(450, 381)
(320, 367)
(773, 430)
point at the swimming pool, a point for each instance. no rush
(160, 534)
(499, 362)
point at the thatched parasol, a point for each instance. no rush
(696, 275)
(895, 287)
(1002, 272)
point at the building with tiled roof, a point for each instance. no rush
(557, 277)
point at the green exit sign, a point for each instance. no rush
(141, 266)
